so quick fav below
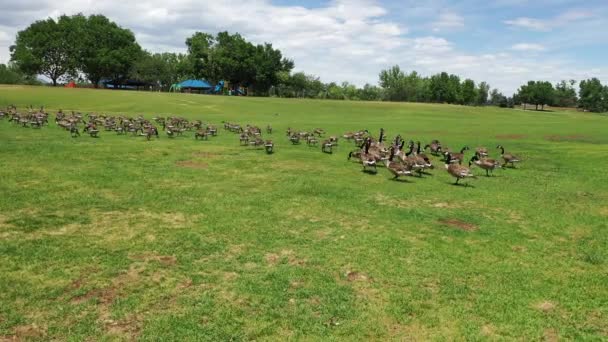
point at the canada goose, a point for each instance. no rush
(295, 139)
(423, 156)
(74, 130)
(456, 170)
(481, 152)
(212, 130)
(311, 140)
(457, 157)
(326, 146)
(269, 146)
(435, 147)
(357, 153)
(244, 139)
(368, 160)
(397, 169)
(485, 163)
(416, 163)
(508, 157)
(202, 134)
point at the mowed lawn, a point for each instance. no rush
(177, 239)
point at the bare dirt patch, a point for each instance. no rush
(511, 136)
(567, 138)
(356, 276)
(167, 260)
(274, 258)
(458, 224)
(550, 335)
(382, 199)
(545, 306)
(25, 332)
(192, 164)
(488, 330)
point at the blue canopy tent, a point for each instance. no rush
(195, 85)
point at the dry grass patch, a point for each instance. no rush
(458, 224)
(26, 333)
(356, 276)
(545, 306)
(275, 258)
(550, 335)
(167, 260)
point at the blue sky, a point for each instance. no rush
(504, 42)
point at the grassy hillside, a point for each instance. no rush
(117, 237)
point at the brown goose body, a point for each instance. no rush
(508, 158)
(456, 170)
(485, 163)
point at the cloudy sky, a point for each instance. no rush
(504, 42)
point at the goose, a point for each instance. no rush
(508, 157)
(481, 152)
(424, 157)
(269, 146)
(202, 134)
(435, 147)
(326, 146)
(357, 153)
(367, 159)
(457, 157)
(456, 170)
(485, 163)
(409, 159)
(397, 169)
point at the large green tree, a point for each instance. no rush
(565, 94)
(393, 82)
(593, 95)
(483, 91)
(107, 50)
(469, 92)
(199, 52)
(49, 48)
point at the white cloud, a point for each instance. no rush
(528, 47)
(549, 24)
(339, 41)
(448, 21)
(529, 23)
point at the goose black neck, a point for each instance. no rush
(411, 150)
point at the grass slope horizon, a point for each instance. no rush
(180, 239)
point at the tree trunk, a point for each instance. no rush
(524, 106)
(542, 107)
(54, 81)
(537, 106)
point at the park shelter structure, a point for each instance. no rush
(195, 86)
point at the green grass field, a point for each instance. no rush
(177, 239)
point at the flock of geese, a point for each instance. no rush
(397, 157)
(413, 160)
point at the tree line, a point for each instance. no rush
(96, 49)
